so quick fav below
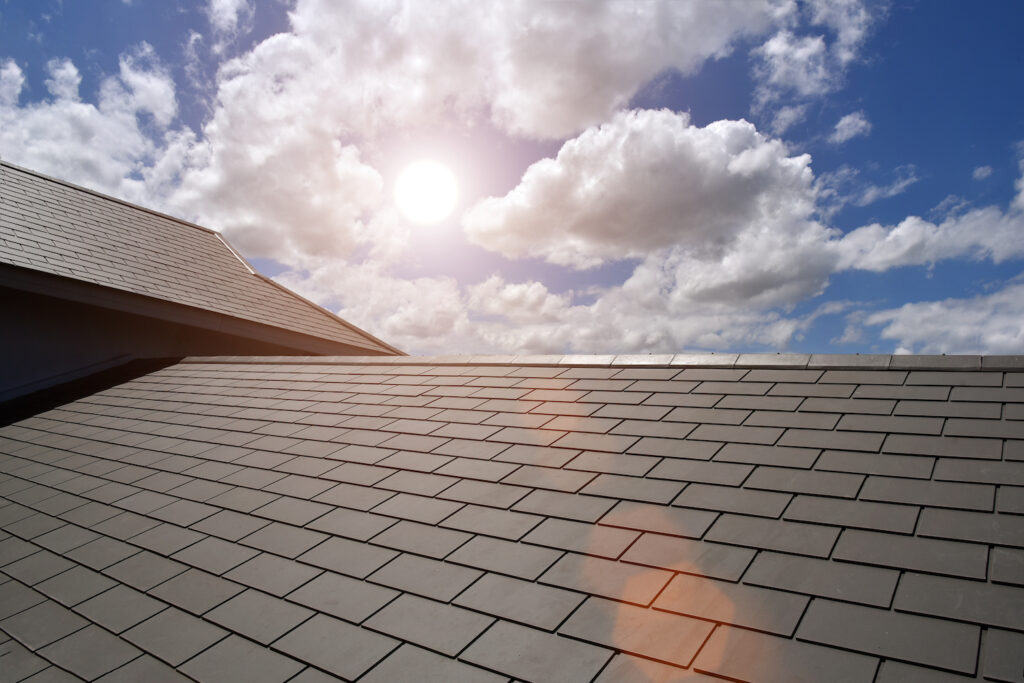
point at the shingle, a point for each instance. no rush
(237, 659)
(911, 552)
(258, 616)
(485, 493)
(633, 488)
(625, 668)
(1003, 655)
(434, 625)
(426, 577)
(196, 591)
(780, 456)
(980, 471)
(769, 534)
(90, 653)
(283, 539)
(999, 529)
(616, 580)
(693, 557)
(731, 499)
(74, 586)
(120, 608)
(530, 654)
(1007, 566)
(585, 508)
(727, 474)
(804, 481)
(409, 664)
(931, 493)
(584, 538)
(215, 555)
(37, 567)
(352, 523)
(144, 570)
(272, 574)
(348, 557)
(517, 559)
(549, 478)
(876, 463)
(657, 518)
(859, 514)
(230, 525)
(839, 440)
(19, 663)
(417, 508)
(972, 601)
(421, 538)
(342, 596)
(615, 463)
(636, 630)
(922, 640)
(337, 647)
(483, 520)
(42, 624)
(15, 597)
(741, 605)
(837, 580)
(747, 655)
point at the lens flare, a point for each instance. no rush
(425, 192)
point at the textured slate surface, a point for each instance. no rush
(763, 518)
(57, 228)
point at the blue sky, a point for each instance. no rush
(759, 175)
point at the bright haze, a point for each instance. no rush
(829, 176)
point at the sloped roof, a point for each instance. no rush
(768, 518)
(53, 227)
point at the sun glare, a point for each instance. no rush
(425, 192)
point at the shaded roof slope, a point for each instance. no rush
(54, 227)
(773, 518)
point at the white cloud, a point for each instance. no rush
(798, 62)
(986, 233)
(644, 181)
(787, 117)
(229, 16)
(64, 79)
(98, 145)
(12, 79)
(986, 324)
(850, 126)
(982, 172)
(844, 185)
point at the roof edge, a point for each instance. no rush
(780, 361)
(108, 197)
(326, 312)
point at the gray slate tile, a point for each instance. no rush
(335, 646)
(530, 654)
(908, 637)
(434, 625)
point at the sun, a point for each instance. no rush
(426, 191)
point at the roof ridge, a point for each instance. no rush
(956, 363)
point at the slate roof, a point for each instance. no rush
(687, 518)
(49, 226)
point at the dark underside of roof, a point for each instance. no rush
(687, 518)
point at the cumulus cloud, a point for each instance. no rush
(644, 181)
(787, 117)
(800, 62)
(986, 324)
(982, 172)
(849, 127)
(99, 145)
(228, 18)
